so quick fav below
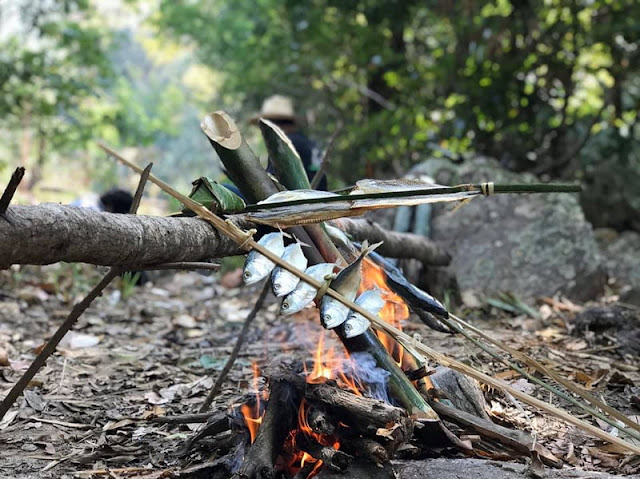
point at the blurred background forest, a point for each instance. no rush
(550, 87)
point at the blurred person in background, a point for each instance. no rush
(279, 110)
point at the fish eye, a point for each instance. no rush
(327, 317)
(247, 274)
(285, 305)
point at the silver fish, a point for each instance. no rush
(259, 266)
(304, 292)
(356, 324)
(283, 282)
(332, 312)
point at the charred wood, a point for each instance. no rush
(278, 420)
(332, 458)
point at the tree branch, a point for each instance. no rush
(50, 233)
(396, 245)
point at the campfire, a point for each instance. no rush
(373, 398)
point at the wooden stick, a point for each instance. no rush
(11, 188)
(181, 265)
(215, 389)
(248, 243)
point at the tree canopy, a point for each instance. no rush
(546, 86)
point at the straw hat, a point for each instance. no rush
(276, 107)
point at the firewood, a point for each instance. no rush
(396, 245)
(518, 440)
(332, 458)
(278, 420)
(368, 449)
(368, 416)
(320, 422)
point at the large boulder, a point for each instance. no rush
(622, 261)
(531, 245)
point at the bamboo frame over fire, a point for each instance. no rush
(246, 242)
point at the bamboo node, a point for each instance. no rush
(487, 188)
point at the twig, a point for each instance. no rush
(215, 389)
(11, 188)
(102, 472)
(248, 243)
(52, 344)
(61, 423)
(137, 197)
(325, 156)
(182, 419)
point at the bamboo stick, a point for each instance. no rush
(478, 188)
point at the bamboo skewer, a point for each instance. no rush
(246, 242)
(480, 189)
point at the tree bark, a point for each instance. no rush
(396, 245)
(50, 233)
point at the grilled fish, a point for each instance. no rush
(259, 266)
(356, 324)
(332, 312)
(304, 292)
(283, 281)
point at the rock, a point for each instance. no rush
(615, 320)
(531, 245)
(449, 468)
(622, 261)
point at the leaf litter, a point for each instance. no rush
(138, 358)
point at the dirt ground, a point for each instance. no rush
(155, 350)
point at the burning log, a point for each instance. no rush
(278, 420)
(330, 457)
(363, 413)
(320, 422)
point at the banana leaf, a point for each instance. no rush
(215, 197)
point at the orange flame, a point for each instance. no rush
(253, 415)
(393, 312)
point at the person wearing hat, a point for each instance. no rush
(279, 110)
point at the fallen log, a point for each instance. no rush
(395, 245)
(51, 232)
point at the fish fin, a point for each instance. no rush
(366, 249)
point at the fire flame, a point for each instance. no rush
(253, 415)
(329, 365)
(394, 311)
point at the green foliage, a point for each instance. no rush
(526, 82)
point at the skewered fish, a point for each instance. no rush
(304, 292)
(259, 266)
